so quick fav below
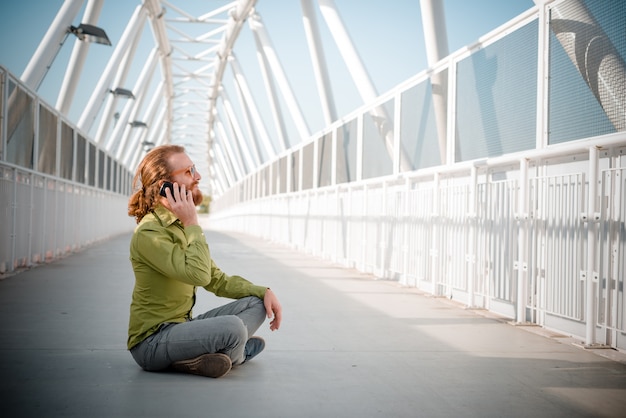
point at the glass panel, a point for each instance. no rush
(124, 179)
(67, 151)
(256, 190)
(112, 174)
(282, 175)
(295, 170)
(266, 181)
(274, 178)
(109, 173)
(20, 127)
(91, 178)
(3, 81)
(589, 105)
(378, 141)
(497, 97)
(80, 158)
(47, 141)
(418, 124)
(325, 157)
(307, 166)
(346, 152)
(101, 170)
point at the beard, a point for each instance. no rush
(197, 196)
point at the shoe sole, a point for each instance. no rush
(209, 365)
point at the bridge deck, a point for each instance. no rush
(349, 346)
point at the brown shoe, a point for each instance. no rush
(209, 365)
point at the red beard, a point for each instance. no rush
(197, 196)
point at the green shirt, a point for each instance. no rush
(170, 261)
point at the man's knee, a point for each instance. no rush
(236, 327)
(256, 304)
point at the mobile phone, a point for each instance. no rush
(167, 185)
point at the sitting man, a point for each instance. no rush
(170, 259)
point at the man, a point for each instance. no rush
(170, 259)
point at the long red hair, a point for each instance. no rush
(153, 168)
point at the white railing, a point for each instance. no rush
(44, 218)
(59, 191)
(523, 215)
(458, 232)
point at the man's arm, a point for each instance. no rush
(273, 309)
(236, 287)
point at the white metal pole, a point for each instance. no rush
(50, 45)
(149, 119)
(601, 65)
(224, 164)
(320, 68)
(238, 16)
(434, 249)
(102, 88)
(283, 84)
(272, 97)
(243, 147)
(591, 273)
(471, 238)
(361, 78)
(522, 250)
(223, 139)
(543, 73)
(156, 102)
(220, 172)
(77, 60)
(250, 136)
(157, 135)
(270, 54)
(142, 85)
(436, 38)
(242, 83)
(118, 80)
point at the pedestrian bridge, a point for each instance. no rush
(489, 185)
(349, 345)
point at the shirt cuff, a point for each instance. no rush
(194, 233)
(258, 291)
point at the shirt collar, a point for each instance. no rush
(164, 215)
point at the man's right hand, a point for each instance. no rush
(182, 205)
(273, 309)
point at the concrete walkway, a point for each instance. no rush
(349, 346)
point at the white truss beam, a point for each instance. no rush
(77, 60)
(104, 84)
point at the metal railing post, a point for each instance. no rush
(591, 274)
(522, 250)
(434, 249)
(11, 266)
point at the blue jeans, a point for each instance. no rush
(225, 329)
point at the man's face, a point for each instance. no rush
(184, 172)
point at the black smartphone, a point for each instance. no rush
(167, 185)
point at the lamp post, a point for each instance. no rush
(84, 32)
(121, 92)
(137, 124)
(89, 33)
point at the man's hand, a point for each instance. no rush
(182, 205)
(273, 309)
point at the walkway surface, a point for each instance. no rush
(349, 346)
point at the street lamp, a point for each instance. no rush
(84, 32)
(137, 124)
(122, 92)
(90, 33)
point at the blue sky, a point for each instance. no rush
(388, 36)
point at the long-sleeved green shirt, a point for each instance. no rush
(170, 261)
